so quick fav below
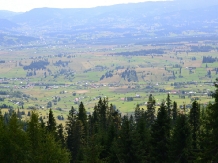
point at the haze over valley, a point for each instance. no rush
(122, 83)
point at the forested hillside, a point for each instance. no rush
(170, 135)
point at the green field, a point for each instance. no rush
(174, 72)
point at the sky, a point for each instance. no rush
(26, 5)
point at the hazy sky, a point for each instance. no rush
(25, 5)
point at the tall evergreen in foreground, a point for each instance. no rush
(126, 151)
(174, 112)
(82, 115)
(150, 110)
(181, 141)
(141, 139)
(34, 144)
(194, 121)
(168, 105)
(210, 139)
(51, 124)
(160, 136)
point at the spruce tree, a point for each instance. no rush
(43, 144)
(150, 113)
(125, 149)
(51, 124)
(60, 134)
(175, 112)
(160, 136)
(70, 128)
(137, 113)
(2, 137)
(15, 142)
(168, 104)
(141, 141)
(194, 120)
(82, 116)
(34, 136)
(78, 142)
(181, 141)
(210, 152)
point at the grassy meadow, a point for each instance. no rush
(178, 71)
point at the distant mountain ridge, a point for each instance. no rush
(41, 15)
(132, 21)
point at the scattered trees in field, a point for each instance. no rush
(209, 59)
(142, 52)
(108, 74)
(201, 48)
(37, 65)
(129, 75)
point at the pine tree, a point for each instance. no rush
(160, 135)
(137, 113)
(2, 137)
(141, 141)
(43, 144)
(194, 121)
(93, 150)
(70, 125)
(175, 112)
(168, 105)
(51, 124)
(102, 107)
(34, 136)
(113, 123)
(52, 151)
(125, 143)
(15, 142)
(75, 136)
(181, 141)
(209, 152)
(82, 116)
(78, 141)
(60, 134)
(150, 110)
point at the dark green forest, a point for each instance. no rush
(170, 135)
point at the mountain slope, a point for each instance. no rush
(6, 24)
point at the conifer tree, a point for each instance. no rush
(60, 134)
(51, 124)
(168, 105)
(78, 142)
(181, 141)
(103, 106)
(160, 136)
(15, 142)
(137, 113)
(125, 143)
(150, 110)
(34, 136)
(113, 123)
(43, 145)
(82, 116)
(175, 112)
(141, 141)
(209, 152)
(75, 136)
(93, 150)
(194, 120)
(70, 125)
(2, 137)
